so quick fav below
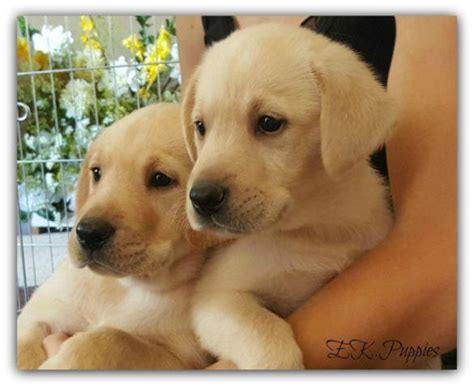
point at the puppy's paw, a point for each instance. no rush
(292, 360)
(289, 358)
(30, 353)
(84, 351)
(283, 354)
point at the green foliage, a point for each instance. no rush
(24, 31)
(170, 25)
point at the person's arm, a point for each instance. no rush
(190, 35)
(404, 289)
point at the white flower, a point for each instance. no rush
(52, 41)
(30, 199)
(90, 57)
(40, 103)
(133, 81)
(116, 78)
(94, 130)
(136, 79)
(76, 98)
(175, 70)
(51, 182)
(108, 120)
(84, 133)
(30, 141)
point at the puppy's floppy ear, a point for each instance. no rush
(83, 184)
(186, 115)
(357, 115)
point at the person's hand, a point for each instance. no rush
(53, 342)
(222, 365)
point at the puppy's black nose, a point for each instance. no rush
(207, 198)
(93, 233)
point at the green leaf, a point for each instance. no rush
(142, 20)
(25, 29)
(170, 25)
(22, 25)
(33, 31)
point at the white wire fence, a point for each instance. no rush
(75, 76)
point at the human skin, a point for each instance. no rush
(53, 342)
(404, 289)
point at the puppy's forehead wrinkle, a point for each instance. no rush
(222, 99)
(267, 65)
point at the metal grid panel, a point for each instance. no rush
(39, 253)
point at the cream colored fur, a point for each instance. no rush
(129, 307)
(303, 203)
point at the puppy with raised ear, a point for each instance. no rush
(280, 133)
(124, 293)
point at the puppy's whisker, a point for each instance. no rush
(179, 216)
(108, 267)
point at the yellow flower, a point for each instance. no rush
(153, 70)
(95, 44)
(22, 49)
(90, 42)
(41, 59)
(135, 45)
(160, 52)
(87, 24)
(163, 44)
(89, 36)
(144, 93)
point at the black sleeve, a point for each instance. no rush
(217, 28)
(372, 37)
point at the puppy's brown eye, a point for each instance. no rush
(200, 127)
(161, 180)
(268, 124)
(96, 173)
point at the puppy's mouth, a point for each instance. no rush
(230, 227)
(103, 268)
(227, 226)
(112, 263)
(95, 261)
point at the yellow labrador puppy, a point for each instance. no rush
(280, 133)
(124, 294)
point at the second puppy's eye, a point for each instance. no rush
(96, 173)
(269, 124)
(200, 127)
(161, 180)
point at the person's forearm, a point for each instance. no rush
(383, 297)
(191, 47)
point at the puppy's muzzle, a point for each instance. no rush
(94, 233)
(208, 198)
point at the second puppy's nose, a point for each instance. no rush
(93, 233)
(207, 198)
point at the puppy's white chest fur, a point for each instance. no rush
(280, 270)
(148, 313)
